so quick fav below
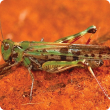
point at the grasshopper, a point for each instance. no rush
(54, 57)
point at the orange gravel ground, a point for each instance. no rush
(32, 20)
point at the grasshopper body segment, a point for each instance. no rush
(55, 56)
(6, 49)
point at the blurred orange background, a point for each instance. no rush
(31, 20)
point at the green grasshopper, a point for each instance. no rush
(54, 57)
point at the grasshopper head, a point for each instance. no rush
(6, 49)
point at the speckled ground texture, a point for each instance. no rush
(74, 89)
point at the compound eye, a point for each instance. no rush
(6, 46)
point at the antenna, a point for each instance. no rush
(1, 30)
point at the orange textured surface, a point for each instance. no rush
(51, 20)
